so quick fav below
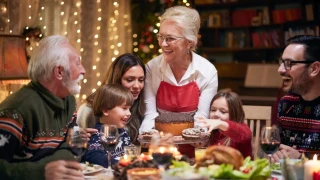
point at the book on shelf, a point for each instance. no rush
(215, 19)
(309, 12)
(294, 31)
(268, 38)
(280, 16)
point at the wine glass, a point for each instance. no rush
(76, 143)
(161, 151)
(270, 140)
(109, 137)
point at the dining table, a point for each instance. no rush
(107, 174)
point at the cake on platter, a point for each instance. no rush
(173, 123)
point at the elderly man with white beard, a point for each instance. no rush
(35, 119)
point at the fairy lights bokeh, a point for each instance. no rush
(64, 17)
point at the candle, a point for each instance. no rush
(176, 154)
(310, 167)
(125, 161)
(162, 150)
(144, 157)
(316, 175)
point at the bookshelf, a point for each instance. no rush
(236, 28)
(238, 34)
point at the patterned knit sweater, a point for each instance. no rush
(33, 123)
(299, 122)
(96, 153)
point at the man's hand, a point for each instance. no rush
(86, 132)
(285, 152)
(63, 170)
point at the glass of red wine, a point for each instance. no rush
(270, 140)
(76, 143)
(161, 151)
(109, 137)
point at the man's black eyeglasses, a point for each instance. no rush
(288, 63)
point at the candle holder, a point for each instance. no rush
(125, 160)
(132, 151)
(292, 169)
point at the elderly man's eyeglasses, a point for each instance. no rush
(169, 39)
(288, 63)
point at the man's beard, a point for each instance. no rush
(72, 85)
(302, 85)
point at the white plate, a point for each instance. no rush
(90, 170)
(276, 171)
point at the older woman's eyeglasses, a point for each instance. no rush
(288, 63)
(168, 39)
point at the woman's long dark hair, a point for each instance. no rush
(114, 75)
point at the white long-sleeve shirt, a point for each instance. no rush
(200, 70)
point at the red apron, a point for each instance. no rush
(183, 99)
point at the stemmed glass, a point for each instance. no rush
(270, 140)
(76, 143)
(109, 137)
(161, 151)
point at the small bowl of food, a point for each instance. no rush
(143, 173)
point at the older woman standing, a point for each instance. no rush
(179, 80)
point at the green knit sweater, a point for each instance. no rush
(33, 123)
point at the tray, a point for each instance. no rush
(177, 140)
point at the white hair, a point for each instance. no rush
(52, 51)
(186, 18)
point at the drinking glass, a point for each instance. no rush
(109, 137)
(199, 152)
(161, 151)
(76, 143)
(132, 151)
(270, 140)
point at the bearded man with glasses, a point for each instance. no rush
(299, 110)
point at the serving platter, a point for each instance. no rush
(176, 140)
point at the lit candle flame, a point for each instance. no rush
(315, 158)
(173, 149)
(162, 150)
(125, 157)
(161, 134)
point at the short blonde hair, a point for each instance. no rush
(186, 18)
(109, 96)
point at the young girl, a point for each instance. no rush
(226, 123)
(111, 105)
